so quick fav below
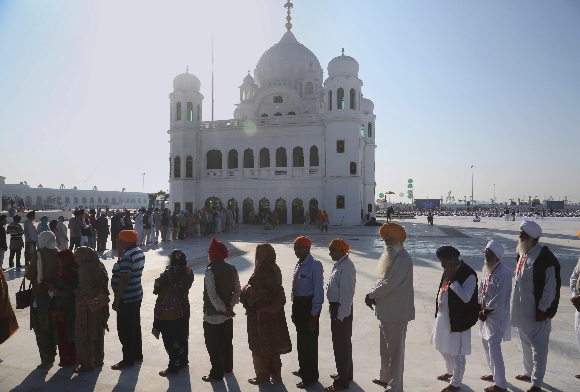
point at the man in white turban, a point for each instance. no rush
(536, 294)
(575, 289)
(494, 294)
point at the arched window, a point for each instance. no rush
(233, 159)
(291, 113)
(298, 157)
(330, 100)
(132, 200)
(214, 159)
(248, 158)
(352, 98)
(281, 158)
(313, 156)
(277, 114)
(340, 98)
(189, 111)
(309, 88)
(106, 201)
(114, 201)
(178, 111)
(264, 157)
(189, 167)
(76, 200)
(92, 200)
(67, 200)
(278, 99)
(177, 167)
(198, 112)
(84, 200)
(39, 200)
(139, 200)
(263, 115)
(362, 130)
(99, 200)
(370, 130)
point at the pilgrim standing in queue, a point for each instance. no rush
(536, 294)
(307, 300)
(393, 297)
(494, 293)
(456, 312)
(3, 242)
(62, 233)
(575, 289)
(126, 284)
(16, 244)
(30, 237)
(221, 293)
(340, 295)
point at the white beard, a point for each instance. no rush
(387, 259)
(488, 266)
(524, 246)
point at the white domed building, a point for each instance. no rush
(297, 141)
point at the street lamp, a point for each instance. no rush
(143, 182)
(471, 184)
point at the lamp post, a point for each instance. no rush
(471, 184)
(143, 182)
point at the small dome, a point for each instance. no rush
(343, 65)
(288, 60)
(367, 106)
(249, 79)
(186, 82)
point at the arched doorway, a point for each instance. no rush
(213, 202)
(282, 211)
(264, 208)
(28, 200)
(298, 211)
(233, 203)
(313, 210)
(38, 200)
(248, 205)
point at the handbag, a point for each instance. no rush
(168, 305)
(24, 295)
(97, 303)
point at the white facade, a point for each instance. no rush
(296, 141)
(37, 198)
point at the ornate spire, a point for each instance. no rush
(343, 51)
(187, 69)
(288, 5)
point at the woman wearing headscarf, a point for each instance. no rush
(172, 311)
(263, 298)
(43, 271)
(62, 311)
(8, 323)
(90, 327)
(42, 225)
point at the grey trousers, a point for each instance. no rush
(392, 350)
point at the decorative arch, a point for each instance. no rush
(297, 211)
(298, 157)
(76, 200)
(114, 201)
(84, 201)
(38, 200)
(233, 159)
(292, 113)
(232, 202)
(314, 156)
(99, 200)
(313, 209)
(340, 98)
(264, 115)
(178, 111)
(281, 157)
(248, 158)
(277, 114)
(106, 201)
(189, 167)
(264, 158)
(213, 202)
(370, 130)
(28, 200)
(189, 111)
(264, 207)
(309, 88)
(92, 200)
(353, 98)
(177, 167)
(247, 206)
(330, 100)
(214, 160)
(282, 211)
(198, 112)
(66, 200)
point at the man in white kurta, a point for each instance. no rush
(139, 226)
(534, 302)
(494, 293)
(393, 298)
(460, 281)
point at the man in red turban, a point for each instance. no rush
(221, 293)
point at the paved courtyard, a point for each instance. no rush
(19, 355)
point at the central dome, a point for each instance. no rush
(288, 60)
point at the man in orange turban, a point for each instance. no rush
(340, 294)
(126, 284)
(307, 300)
(393, 300)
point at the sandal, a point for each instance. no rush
(335, 388)
(297, 373)
(121, 365)
(303, 384)
(488, 377)
(82, 369)
(167, 372)
(256, 381)
(444, 377)
(45, 365)
(209, 378)
(381, 383)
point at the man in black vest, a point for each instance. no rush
(456, 311)
(221, 293)
(536, 295)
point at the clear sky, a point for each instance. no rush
(492, 84)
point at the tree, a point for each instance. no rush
(153, 197)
